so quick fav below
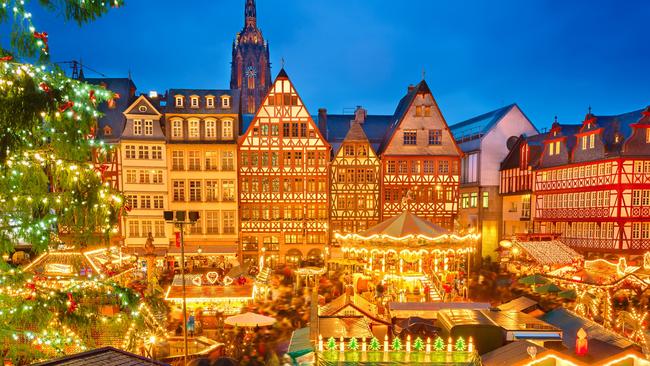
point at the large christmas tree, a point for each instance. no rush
(51, 164)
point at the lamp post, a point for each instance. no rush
(179, 220)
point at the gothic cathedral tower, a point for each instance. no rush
(251, 67)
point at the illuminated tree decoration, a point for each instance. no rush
(374, 344)
(354, 344)
(460, 344)
(331, 344)
(439, 344)
(397, 344)
(418, 345)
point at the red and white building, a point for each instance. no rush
(591, 182)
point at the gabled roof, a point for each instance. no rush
(400, 111)
(355, 301)
(510, 353)
(478, 126)
(113, 117)
(374, 128)
(143, 98)
(105, 356)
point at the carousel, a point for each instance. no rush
(409, 256)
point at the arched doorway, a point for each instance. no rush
(314, 254)
(293, 257)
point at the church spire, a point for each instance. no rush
(250, 14)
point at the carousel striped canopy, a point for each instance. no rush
(405, 226)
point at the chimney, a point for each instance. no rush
(322, 121)
(411, 88)
(360, 114)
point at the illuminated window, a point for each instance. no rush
(486, 199)
(148, 127)
(137, 127)
(443, 167)
(178, 190)
(193, 129)
(226, 129)
(647, 135)
(177, 129)
(212, 190)
(410, 137)
(225, 102)
(131, 176)
(178, 100)
(427, 111)
(228, 190)
(209, 102)
(418, 111)
(210, 129)
(211, 160)
(435, 137)
(227, 161)
(194, 101)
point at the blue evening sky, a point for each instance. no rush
(550, 57)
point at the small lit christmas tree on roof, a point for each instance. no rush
(374, 344)
(397, 344)
(439, 344)
(460, 344)
(418, 345)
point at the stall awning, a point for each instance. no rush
(209, 293)
(344, 327)
(519, 304)
(550, 252)
(300, 343)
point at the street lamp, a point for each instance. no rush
(178, 218)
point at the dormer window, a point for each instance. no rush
(588, 141)
(137, 127)
(554, 148)
(108, 131)
(225, 101)
(194, 101)
(178, 101)
(209, 102)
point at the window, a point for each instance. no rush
(178, 190)
(143, 152)
(195, 191)
(228, 222)
(108, 131)
(193, 129)
(470, 168)
(145, 202)
(211, 190)
(585, 142)
(647, 135)
(178, 160)
(194, 101)
(225, 102)
(418, 111)
(197, 227)
(144, 177)
(209, 102)
(228, 161)
(427, 111)
(211, 160)
(159, 229)
(212, 222)
(349, 150)
(178, 101)
(134, 228)
(148, 127)
(210, 129)
(410, 137)
(486, 199)
(137, 127)
(130, 151)
(592, 140)
(156, 152)
(226, 129)
(158, 202)
(131, 201)
(177, 129)
(251, 82)
(473, 199)
(435, 137)
(443, 167)
(636, 197)
(131, 176)
(464, 201)
(194, 160)
(228, 189)
(390, 167)
(157, 177)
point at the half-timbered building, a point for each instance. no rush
(591, 184)
(283, 181)
(355, 179)
(420, 161)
